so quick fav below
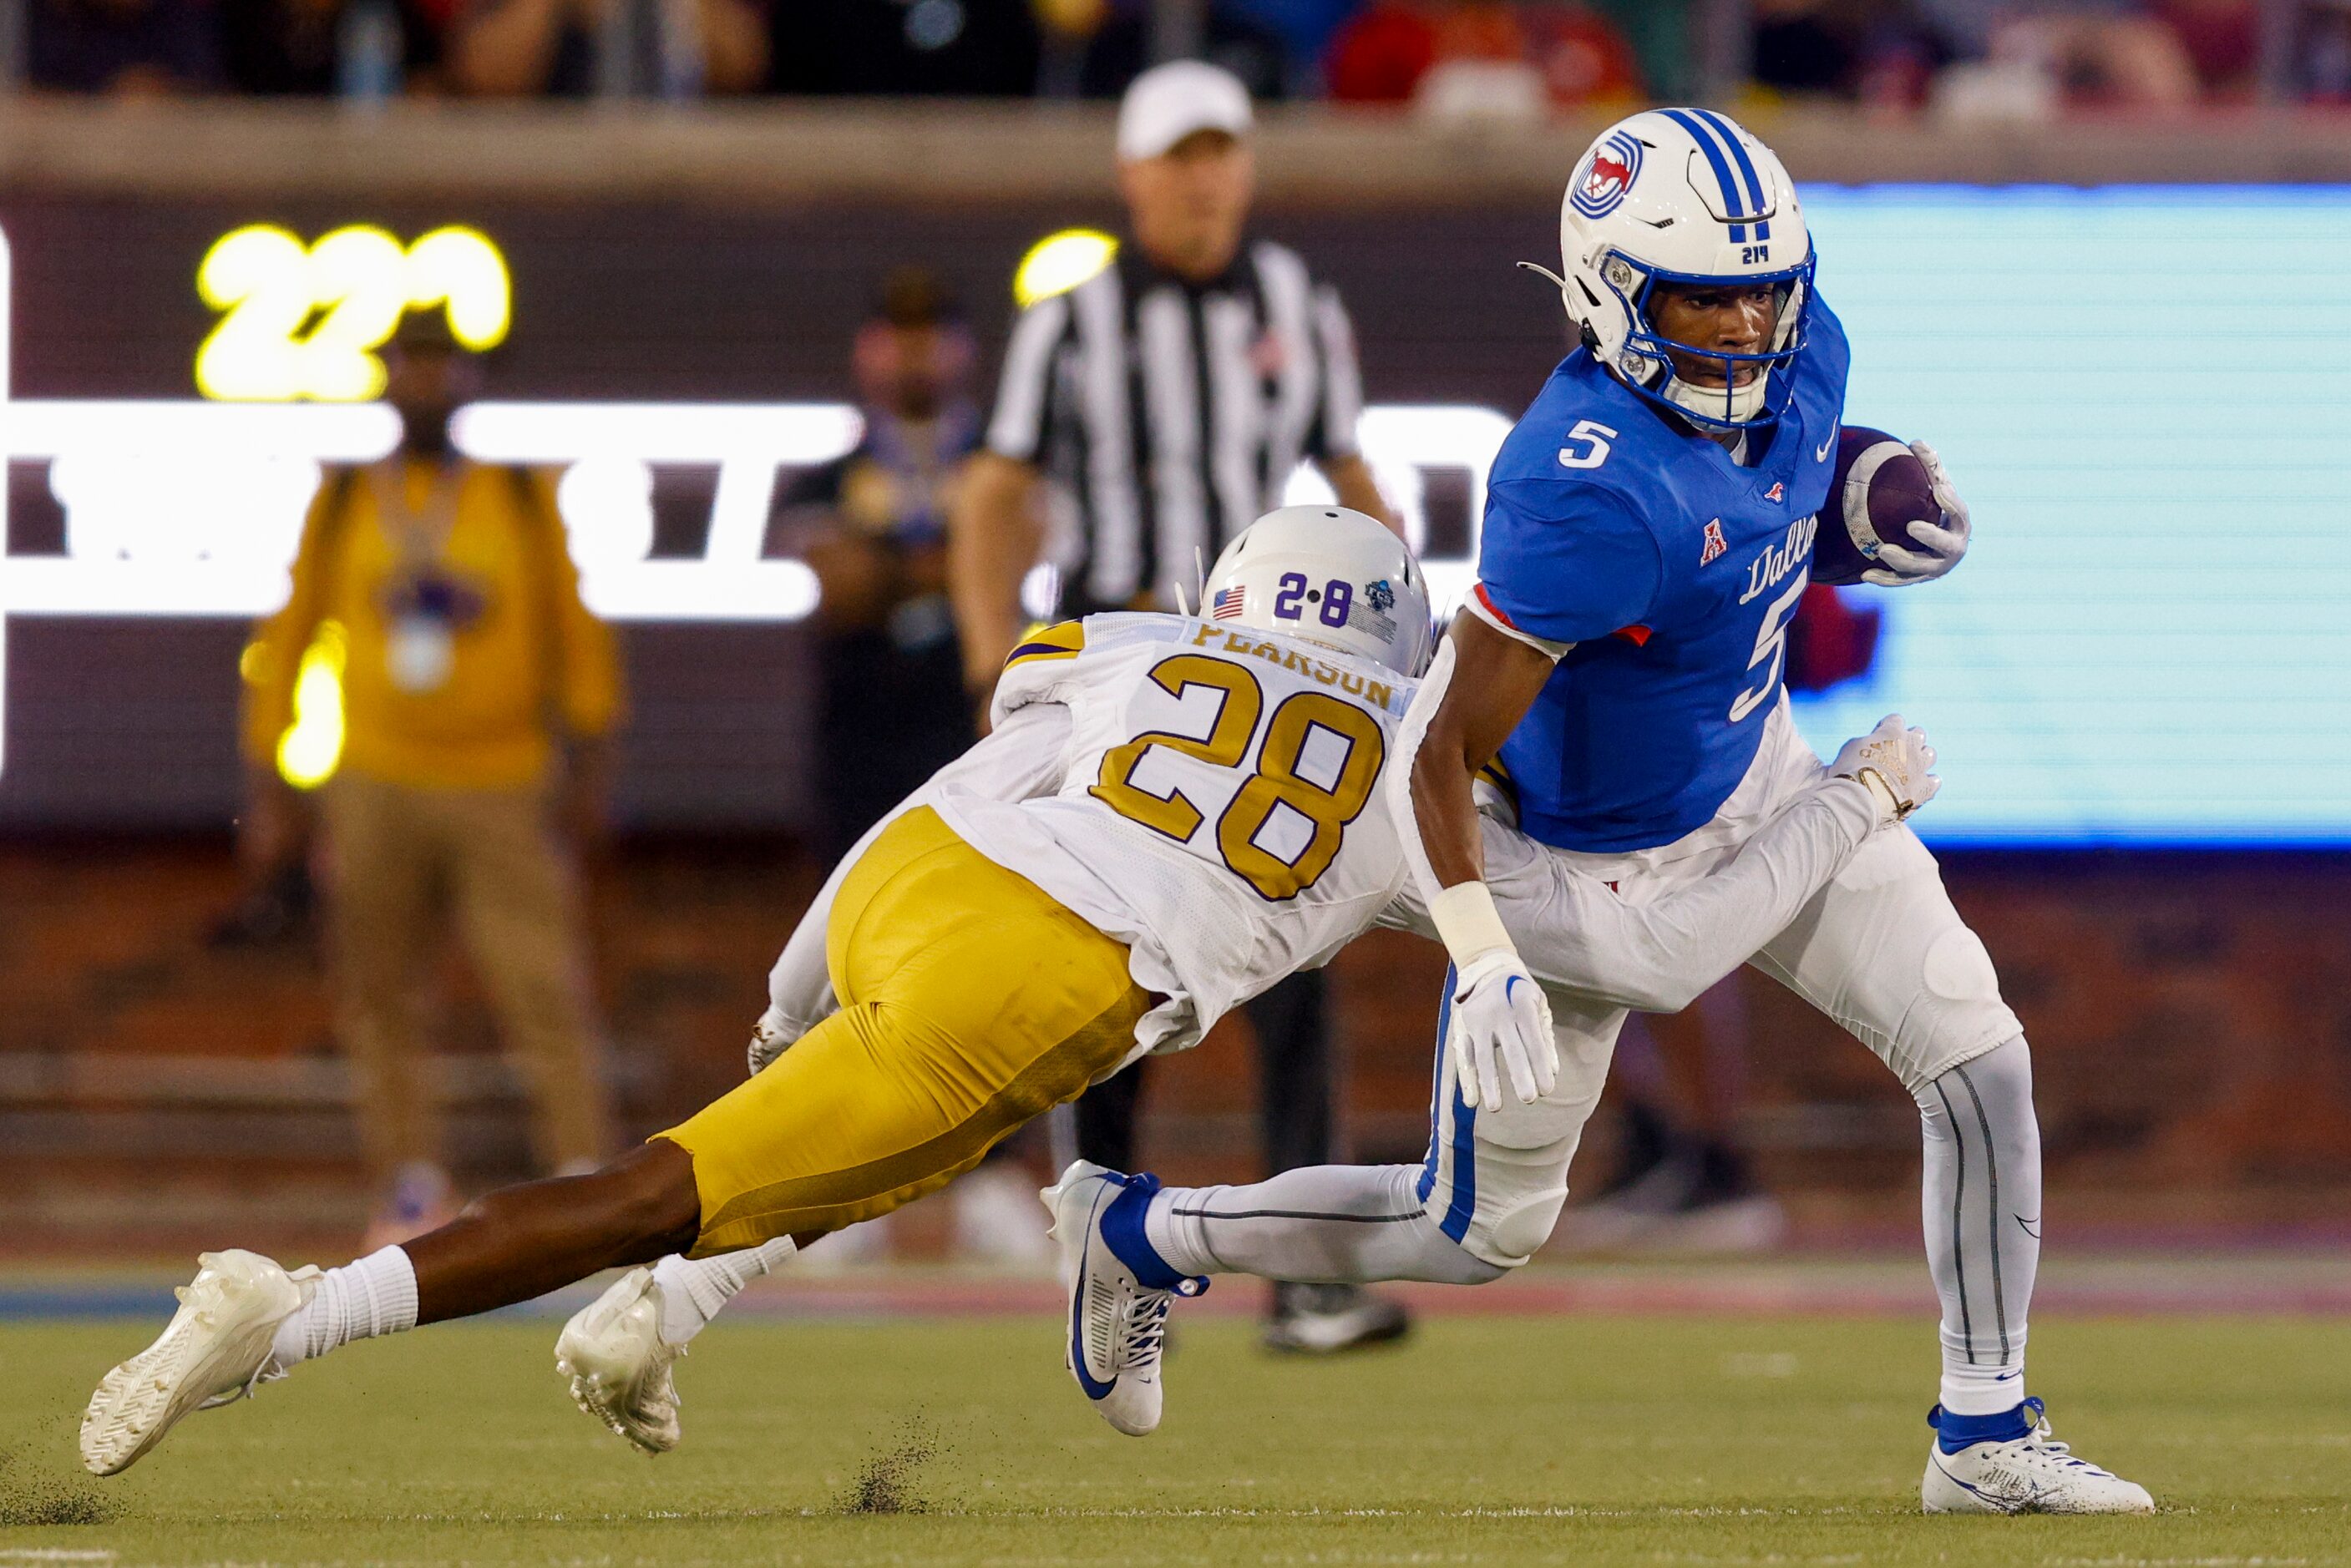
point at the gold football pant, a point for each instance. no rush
(970, 1003)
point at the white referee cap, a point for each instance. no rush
(1167, 103)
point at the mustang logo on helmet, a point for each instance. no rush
(1608, 177)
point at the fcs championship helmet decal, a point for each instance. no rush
(1328, 576)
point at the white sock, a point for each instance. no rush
(375, 1296)
(693, 1289)
(1983, 1389)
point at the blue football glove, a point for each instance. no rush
(1942, 544)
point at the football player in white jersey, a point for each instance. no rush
(1244, 759)
(1171, 814)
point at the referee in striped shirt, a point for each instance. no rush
(1146, 417)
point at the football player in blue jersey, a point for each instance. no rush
(1616, 678)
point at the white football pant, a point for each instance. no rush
(1878, 947)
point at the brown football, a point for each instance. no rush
(1878, 490)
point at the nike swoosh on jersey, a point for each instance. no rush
(2030, 1226)
(1822, 451)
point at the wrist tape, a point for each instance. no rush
(1468, 924)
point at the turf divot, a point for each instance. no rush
(887, 1482)
(31, 1494)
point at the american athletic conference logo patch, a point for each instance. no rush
(1714, 543)
(1607, 178)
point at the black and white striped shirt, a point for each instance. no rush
(1171, 413)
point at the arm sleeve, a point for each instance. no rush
(1022, 758)
(1024, 394)
(274, 659)
(1576, 933)
(1334, 432)
(1564, 562)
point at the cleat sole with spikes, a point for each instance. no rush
(216, 1347)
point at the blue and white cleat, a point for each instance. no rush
(215, 1349)
(1119, 1289)
(2020, 1470)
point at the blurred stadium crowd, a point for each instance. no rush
(1966, 59)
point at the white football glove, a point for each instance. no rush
(1500, 1033)
(1894, 763)
(1942, 542)
(770, 1037)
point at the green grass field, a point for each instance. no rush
(1486, 1441)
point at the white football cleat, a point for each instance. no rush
(216, 1347)
(1118, 1325)
(2031, 1474)
(619, 1364)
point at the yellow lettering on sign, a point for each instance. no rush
(305, 321)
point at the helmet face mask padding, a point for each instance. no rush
(1685, 198)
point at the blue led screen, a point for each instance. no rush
(2145, 395)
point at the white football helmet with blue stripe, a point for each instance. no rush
(1685, 196)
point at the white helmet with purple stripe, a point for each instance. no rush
(1685, 196)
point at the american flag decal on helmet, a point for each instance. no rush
(1226, 603)
(1715, 544)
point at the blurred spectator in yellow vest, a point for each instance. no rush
(477, 692)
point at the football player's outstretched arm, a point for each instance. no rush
(1020, 759)
(1481, 684)
(1661, 954)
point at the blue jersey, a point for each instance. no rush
(1674, 570)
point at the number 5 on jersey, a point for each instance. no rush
(1276, 784)
(1587, 445)
(1770, 647)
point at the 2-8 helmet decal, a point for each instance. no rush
(1685, 197)
(1329, 576)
